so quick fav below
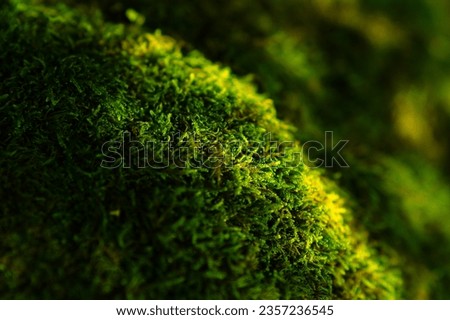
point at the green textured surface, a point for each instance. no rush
(256, 227)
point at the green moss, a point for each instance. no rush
(332, 63)
(374, 72)
(255, 227)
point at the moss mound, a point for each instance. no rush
(373, 72)
(259, 225)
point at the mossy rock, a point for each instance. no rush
(373, 72)
(259, 226)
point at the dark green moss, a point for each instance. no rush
(374, 72)
(257, 227)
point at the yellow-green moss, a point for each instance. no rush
(257, 227)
